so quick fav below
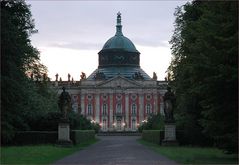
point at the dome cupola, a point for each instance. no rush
(118, 50)
(119, 57)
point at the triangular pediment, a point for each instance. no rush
(119, 81)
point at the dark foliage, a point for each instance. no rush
(34, 137)
(204, 72)
(22, 97)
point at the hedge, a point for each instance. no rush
(81, 136)
(153, 136)
(50, 137)
(34, 137)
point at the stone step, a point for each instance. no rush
(118, 134)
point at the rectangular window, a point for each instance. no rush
(148, 108)
(89, 109)
(104, 109)
(118, 108)
(133, 108)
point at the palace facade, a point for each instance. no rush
(118, 95)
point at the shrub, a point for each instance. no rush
(81, 136)
(153, 136)
(154, 122)
(80, 122)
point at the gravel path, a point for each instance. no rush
(116, 150)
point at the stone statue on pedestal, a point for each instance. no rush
(169, 104)
(64, 103)
(170, 125)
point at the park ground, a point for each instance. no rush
(116, 149)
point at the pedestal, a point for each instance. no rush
(64, 134)
(169, 135)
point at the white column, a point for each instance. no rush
(82, 104)
(141, 107)
(97, 108)
(111, 111)
(155, 103)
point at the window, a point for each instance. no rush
(119, 97)
(104, 97)
(118, 108)
(89, 109)
(133, 124)
(133, 96)
(104, 109)
(148, 108)
(148, 97)
(104, 124)
(89, 97)
(133, 108)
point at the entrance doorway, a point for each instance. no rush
(118, 125)
(104, 125)
(133, 125)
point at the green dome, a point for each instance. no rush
(120, 42)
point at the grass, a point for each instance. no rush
(193, 155)
(39, 154)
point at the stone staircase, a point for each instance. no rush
(122, 133)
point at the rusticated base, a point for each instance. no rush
(169, 135)
(64, 135)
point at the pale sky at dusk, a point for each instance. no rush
(71, 33)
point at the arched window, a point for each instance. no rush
(104, 109)
(133, 108)
(118, 108)
(89, 109)
(148, 108)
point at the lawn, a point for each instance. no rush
(193, 155)
(39, 154)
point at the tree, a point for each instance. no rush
(21, 96)
(204, 70)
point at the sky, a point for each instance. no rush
(71, 33)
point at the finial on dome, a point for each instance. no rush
(118, 18)
(118, 25)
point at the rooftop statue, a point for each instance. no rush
(69, 77)
(82, 76)
(57, 77)
(155, 76)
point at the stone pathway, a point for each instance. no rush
(116, 150)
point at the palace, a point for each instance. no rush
(118, 95)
